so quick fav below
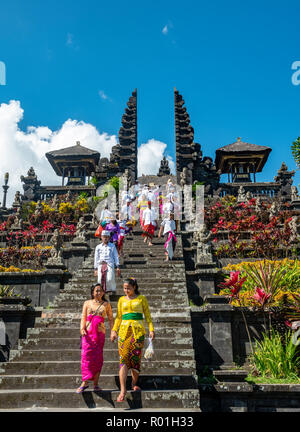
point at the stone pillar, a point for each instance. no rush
(5, 189)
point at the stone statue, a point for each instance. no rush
(31, 185)
(95, 220)
(69, 196)
(55, 202)
(204, 249)
(293, 227)
(241, 194)
(273, 210)
(80, 230)
(38, 210)
(183, 177)
(258, 205)
(248, 196)
(294, 193)
(17, 200)
(18, 221)
(56, 252)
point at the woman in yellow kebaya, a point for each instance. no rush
(131, 326)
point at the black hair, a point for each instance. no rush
(133, 282)
(92, 291)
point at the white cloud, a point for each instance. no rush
(165, 30)
(20, 150)
(104, 96)
(149, 156)
(70, 39)
(71, 43)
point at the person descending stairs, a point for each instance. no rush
(45, 370)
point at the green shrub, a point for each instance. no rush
(276, 358)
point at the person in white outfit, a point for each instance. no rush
(105, 261)
(168, 226)
(105, 216)
(149, 224)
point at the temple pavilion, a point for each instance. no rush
(241, 160)
(75, 163)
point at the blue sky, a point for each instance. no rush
(231, 60)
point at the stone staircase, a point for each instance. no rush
(45, 371)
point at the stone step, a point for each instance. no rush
(38, 354)
(139, 274)
(172, 334)
(153, 303)
(73, 320)
(231, 375)
(143, 284)
(65, 398)
(158, 312)
(162, 281)
(74, 342)
(73, 367)
(153, 297)
(106, 382)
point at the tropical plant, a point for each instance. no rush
(276, 358)
(296, 151)
(291, 311)
(7, 291)
(93, 181)
(235, 283)
(288, 277)
(114, 182)
(266, 279)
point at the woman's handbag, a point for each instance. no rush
(149, 351)
(99, 231)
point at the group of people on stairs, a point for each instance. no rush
(128, 327)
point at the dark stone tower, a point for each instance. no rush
(189, 154)
(124, 154)
(186, 149)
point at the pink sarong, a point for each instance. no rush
(169, 246)
(92, 349)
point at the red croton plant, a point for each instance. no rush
(245, 232)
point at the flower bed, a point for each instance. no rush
(250, 231)
(250, 294)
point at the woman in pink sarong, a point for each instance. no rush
(92, 330)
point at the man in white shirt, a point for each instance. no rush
(106, 258)
(149, 224)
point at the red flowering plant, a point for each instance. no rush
(235, 283)
(68, 229)
(261, 296)
(241, 232)
(47, 227)
(3, 226)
